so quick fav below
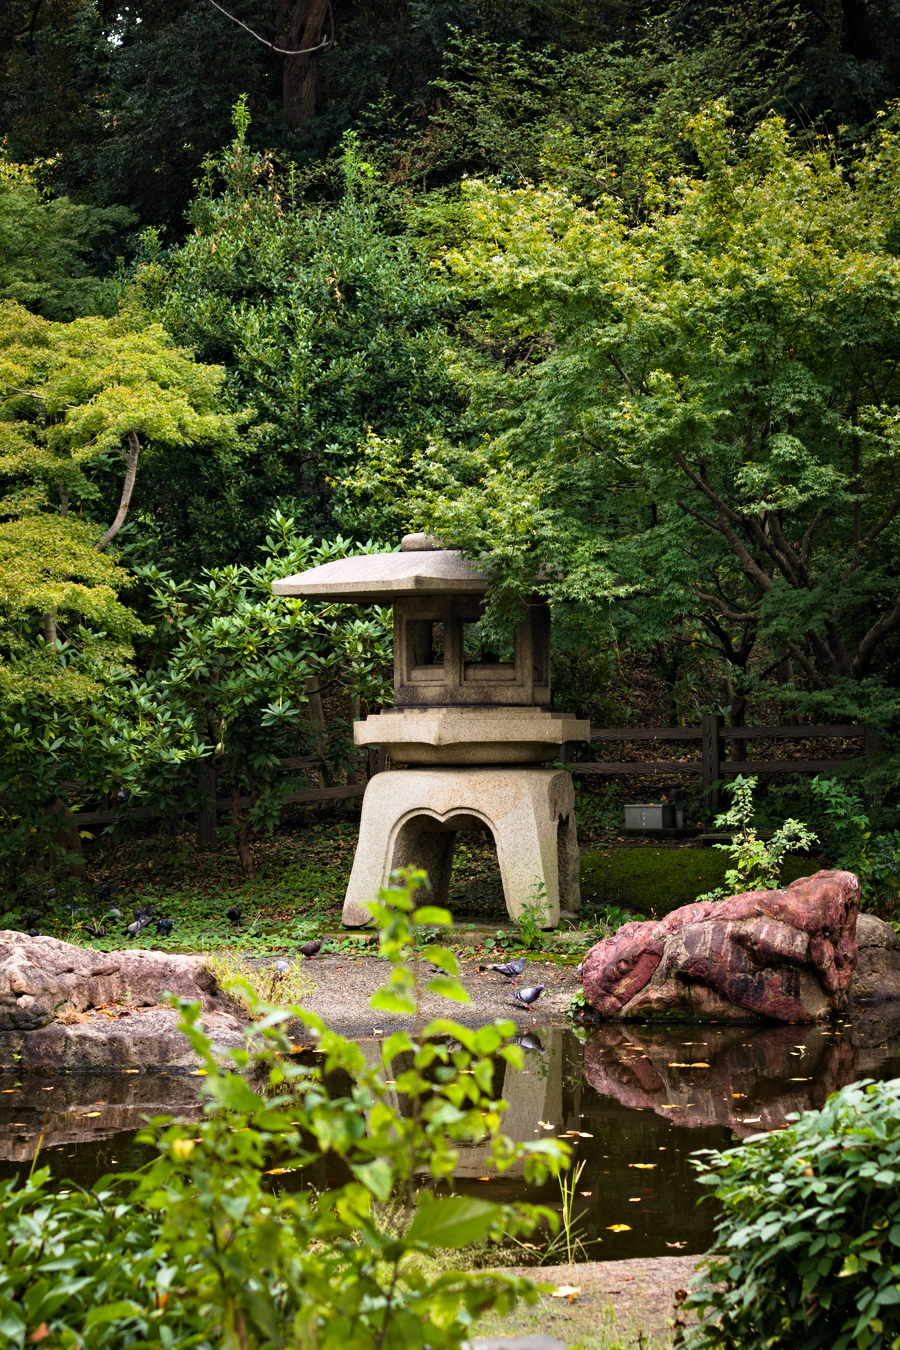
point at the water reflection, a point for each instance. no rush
(633, 1102)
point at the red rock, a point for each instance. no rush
(785, 955)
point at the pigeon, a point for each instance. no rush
(511, 969)
(164, 926)
(580, 971)
(282, 967)
(93, 930)
(530, 1041)
(114, 914)
(137, 927)
(30, 919)
(528, 996)
(311, 949)
(234, 915)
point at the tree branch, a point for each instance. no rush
(282, 51)
(131, 462)
(880, 629)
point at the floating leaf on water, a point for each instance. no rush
(642, 1165)
(618, 1227)
(676, 1244)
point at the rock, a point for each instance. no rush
(877, 973)
(785, 955)
(133, 1040)
(42, 979)
(71, 1008)
(746, 1079)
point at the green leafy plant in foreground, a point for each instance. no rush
(807, 1251)
(757, 862)
(222, 1241)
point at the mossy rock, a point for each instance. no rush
(654, 881)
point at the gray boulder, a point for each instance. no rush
(877, 974)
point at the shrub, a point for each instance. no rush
(807, 1251)
(204, 1249)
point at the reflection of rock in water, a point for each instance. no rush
(67, 1109)
(752, 1080)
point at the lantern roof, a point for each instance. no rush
(422, 567)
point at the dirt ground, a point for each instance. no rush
(343, 986)
(621, 1305)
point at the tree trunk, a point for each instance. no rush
(242, 834)
(131, 463)
(301, 25)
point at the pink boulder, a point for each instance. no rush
(787, 956)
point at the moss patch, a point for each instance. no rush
(655, 881)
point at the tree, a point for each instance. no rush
(79, 402)
(694, 420)
(46, 245)
(326, 319)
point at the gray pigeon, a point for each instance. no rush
(310, 949)
(511, 969)
(528, 996)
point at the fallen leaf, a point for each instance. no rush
(671, 1106)
(697, 1064)
(93, 1113)
(738, 1094)
(39, 1334)
(676, 1244)
(618, 1227)
(567, 1291)
(545, 1125)
(644, 1166)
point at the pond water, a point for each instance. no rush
(634, 1102)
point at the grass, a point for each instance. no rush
(247, 983)
(655, 881)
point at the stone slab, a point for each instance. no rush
(501, 735)
(376, 577)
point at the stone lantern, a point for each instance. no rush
(468, 737)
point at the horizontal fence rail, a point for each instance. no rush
(714, 763)
(211, 805)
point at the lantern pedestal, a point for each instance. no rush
(410, 817)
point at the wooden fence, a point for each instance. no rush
(210, 805)
(714, 763)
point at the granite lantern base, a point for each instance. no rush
(410, 817)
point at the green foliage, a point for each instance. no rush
(326, 320)
(807, 1251)
(43, 246)
(690, 423)
(228, 1259)
(532, 918)
(757, 862)
(873, 856)
(79, 403)
(238, 664)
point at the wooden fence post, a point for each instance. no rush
(207, 817)
(711, 757)
(872, 741)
